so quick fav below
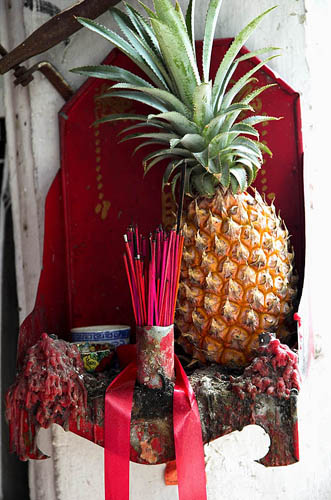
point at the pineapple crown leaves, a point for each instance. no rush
(195, 120)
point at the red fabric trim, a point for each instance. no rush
(118, 406)
(188, 440)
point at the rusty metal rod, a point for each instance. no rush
(52, 75)
(24, 76)
(18, 69)
(54, 31)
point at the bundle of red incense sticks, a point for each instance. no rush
(153, 267)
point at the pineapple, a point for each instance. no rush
(237, 275)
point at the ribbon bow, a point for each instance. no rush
(187, 434)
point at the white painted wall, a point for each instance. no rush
(76, 469)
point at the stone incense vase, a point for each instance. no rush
(155, 355)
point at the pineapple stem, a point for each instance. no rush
(181, 196)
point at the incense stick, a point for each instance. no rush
(130, 285)
(153, 268)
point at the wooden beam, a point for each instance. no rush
(54, 31)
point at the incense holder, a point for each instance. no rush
(155, 355)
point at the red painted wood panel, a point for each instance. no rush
(101, 190)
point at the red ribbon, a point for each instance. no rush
(188, 440)
(118, 406)
(187, 434)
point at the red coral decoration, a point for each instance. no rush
(49, 389)
(274, 372)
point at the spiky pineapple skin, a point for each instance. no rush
(237, 277)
